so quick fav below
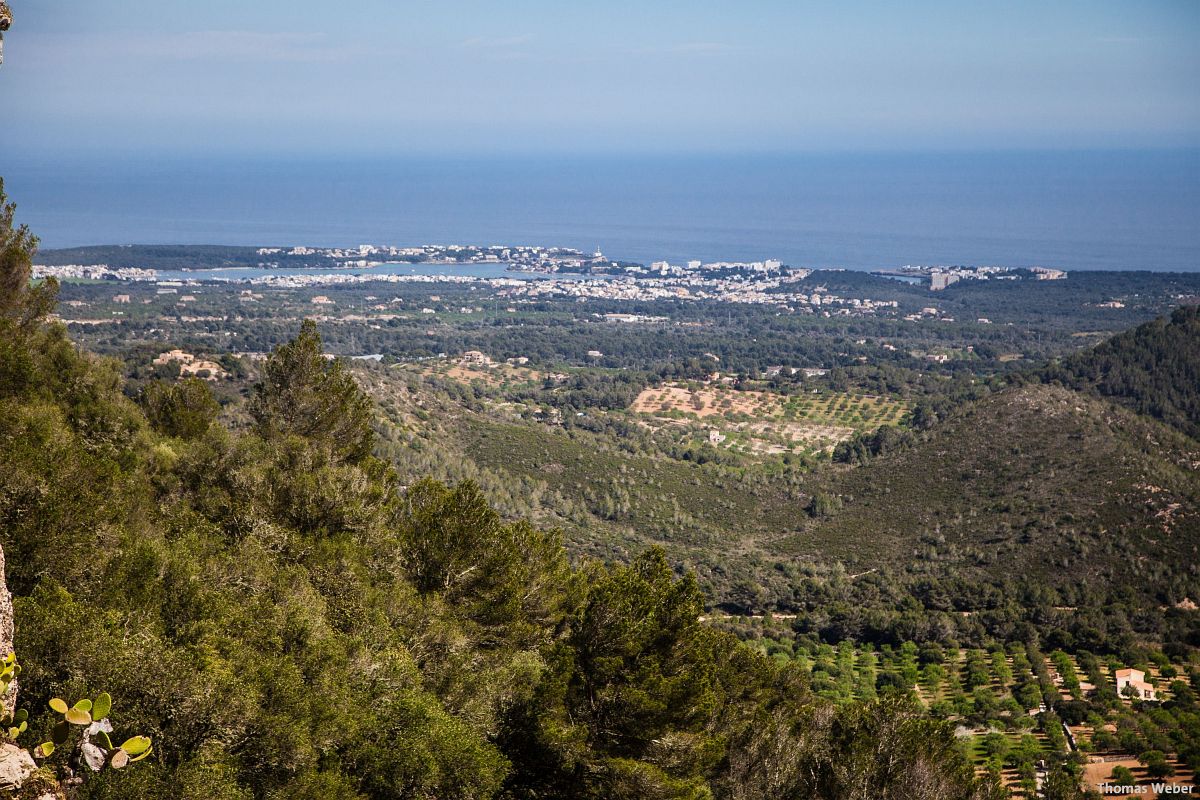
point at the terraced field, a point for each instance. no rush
(491, 375)
(998, 698)
(767, 422)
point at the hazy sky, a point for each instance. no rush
(387, 76)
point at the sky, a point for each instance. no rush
(532, 76)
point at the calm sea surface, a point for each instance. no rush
(1093, 210)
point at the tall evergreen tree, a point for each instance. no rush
(20, 303)
(305, 394)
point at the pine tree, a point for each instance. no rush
(304, 394)
(20, 304)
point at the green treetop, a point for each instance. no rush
(303, 393)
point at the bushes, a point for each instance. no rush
(184, 409)
(863, 447)
(286, 622)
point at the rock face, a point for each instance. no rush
(6, 633)
(16, 765)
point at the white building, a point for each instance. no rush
(1133, 682)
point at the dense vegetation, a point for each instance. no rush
(422, 580)
(1153, 369)
(287, 620)
(171, 256)
(995, 693)
(1023, 512)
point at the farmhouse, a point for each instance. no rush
(1132, 682)
(191, 365)
(476, 357)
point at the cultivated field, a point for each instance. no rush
(768, 422)
(997, 699)
(492, 375)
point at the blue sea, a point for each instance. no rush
(1071, 210)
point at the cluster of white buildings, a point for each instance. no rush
(632, 319)
(96, 272)
(766, 286)
(766, 282)
(931, 313)
(941, 277)
(765, 291)
(528, 258)
(349, 279)
(665, 268)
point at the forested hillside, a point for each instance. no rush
(1035, 508)
(1153, 369)
(1029, 509)
(286, 620)
(1038, 479)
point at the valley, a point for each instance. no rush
(949, 502)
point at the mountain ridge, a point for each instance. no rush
(995, 465)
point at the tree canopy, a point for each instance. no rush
(303, 393)
(285, 619)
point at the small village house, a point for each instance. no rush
(1133, 682)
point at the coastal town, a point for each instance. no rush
(763, 290)
(524, 258)
(550, 272)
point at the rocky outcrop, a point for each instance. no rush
(16, 765)
(19, 775)
(6, 633)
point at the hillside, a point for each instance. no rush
(168, 256)
(612, 490)
(1036, 493)
(284, 618)
(1037, 481)
(1153, 369)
